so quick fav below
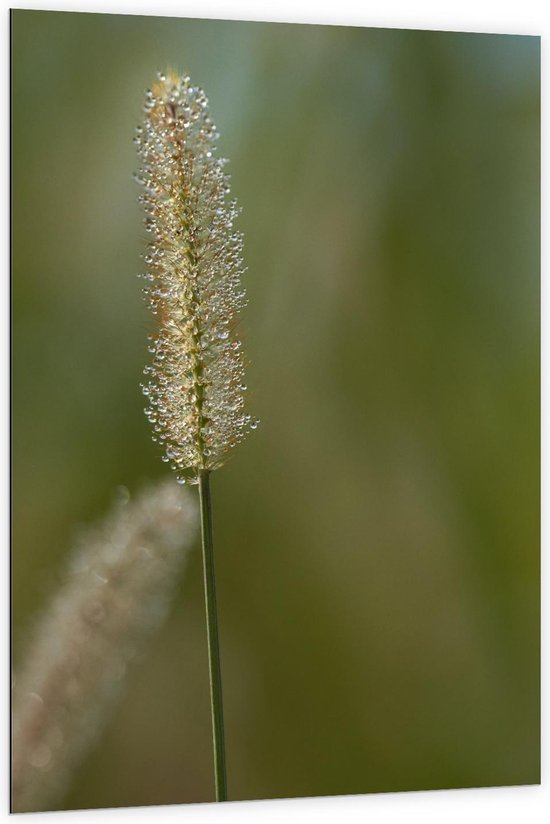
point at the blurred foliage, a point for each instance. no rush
(378, 537)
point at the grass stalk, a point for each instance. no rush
(196, 385)
(216, 700)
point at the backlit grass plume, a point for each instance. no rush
(194, 260)
(115, 592)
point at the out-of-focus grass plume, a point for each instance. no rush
(377, 542)
(115, 594)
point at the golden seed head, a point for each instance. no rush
(196, 380)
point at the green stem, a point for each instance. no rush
(212, 632)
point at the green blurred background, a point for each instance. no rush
(377, 538)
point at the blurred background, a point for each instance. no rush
(377, 538)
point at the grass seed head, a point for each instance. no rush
(195, 385)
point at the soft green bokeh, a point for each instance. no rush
(377, 538)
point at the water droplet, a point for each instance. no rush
(40, 757)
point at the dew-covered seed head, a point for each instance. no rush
(194, 265)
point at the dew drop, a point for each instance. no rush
(122, 495)
(40, 756)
